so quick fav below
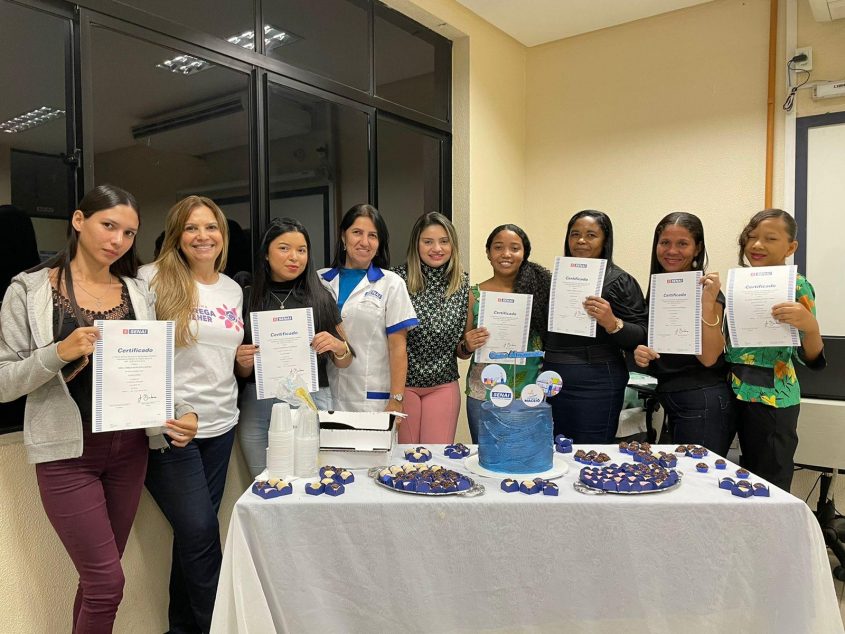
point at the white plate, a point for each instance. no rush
(559, 467)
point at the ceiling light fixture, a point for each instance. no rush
(31, 119)
(189, 65)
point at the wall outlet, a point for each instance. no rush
(807, 65)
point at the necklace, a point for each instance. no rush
(282, 301)
(97, 300)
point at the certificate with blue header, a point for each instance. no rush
(674, 313)
(507, 317)
(133, 375)
(573, 280)
(284, 340)
(749, 297)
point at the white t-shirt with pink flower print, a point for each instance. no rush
(204, 373)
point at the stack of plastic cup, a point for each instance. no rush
(280, 442)
(307, 442)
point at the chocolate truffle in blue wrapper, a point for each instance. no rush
(335, 489)
(742, 474)
(742, 491)
(462, 484)
(760, 490)
(721, 464)
(702, 467)
(315, 488)
(458, 450)
(328, 471)
(344, 477)
(727, 483)
(530, 487)
(550, 488)
(510, 486)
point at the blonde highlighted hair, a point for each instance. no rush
(454, 270)
(173, 283)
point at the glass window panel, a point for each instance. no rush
(36, 183)
(163, 135)
(318, 163)
(409, 181)
(328, 37)
(230, 19)
(412, 63)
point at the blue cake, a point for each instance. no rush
(516, 438)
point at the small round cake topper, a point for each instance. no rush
(493, 375)
(501, 395)
(550, 382)
(532, 395)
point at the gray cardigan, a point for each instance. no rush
(30, 365)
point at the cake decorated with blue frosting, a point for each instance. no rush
(515, 439)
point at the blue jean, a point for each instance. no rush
(587, 408)
(702, 416)
(255, 421)
(473, 417)
(187, 484)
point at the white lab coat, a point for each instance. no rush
(378, 306)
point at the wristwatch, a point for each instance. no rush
(619, 326)
(398, 397)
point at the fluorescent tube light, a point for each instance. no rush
(31, 119)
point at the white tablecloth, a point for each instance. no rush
(374, 560)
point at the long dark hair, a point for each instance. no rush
(603, 221)
(382, 257)
(309, 288)
(691, 223)
(760, 216)
(100, 198)
(531, 279)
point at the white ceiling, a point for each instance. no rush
(534, 22)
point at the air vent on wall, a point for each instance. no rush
(183, 117)
(828, 10)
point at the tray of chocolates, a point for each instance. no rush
(627, 479)
(422, 479)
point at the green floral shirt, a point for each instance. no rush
(784, 391)
(525, 374)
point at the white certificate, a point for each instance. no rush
(284, 338)
(751, 293)
(573, 280)
(674, 313)
(133, 375)
(507, 316)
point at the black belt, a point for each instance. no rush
(583, 354)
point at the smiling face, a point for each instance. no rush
(105, 236)
(506, 253)
(676, 249)
(769, 243)
(202, 240)
(586, 238)
(287, 256)
(434, 247)
(361, 243)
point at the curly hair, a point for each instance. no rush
(531, 279)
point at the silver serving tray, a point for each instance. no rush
(474, 490)
(586, 489)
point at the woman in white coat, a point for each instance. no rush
(376, 312)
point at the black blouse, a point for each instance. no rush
(626, 299)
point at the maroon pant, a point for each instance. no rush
(91, 502)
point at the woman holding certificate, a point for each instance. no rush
(508, 249)
(763, 378)
(593, 368)
(692, 388)
(286, 279)
(377, 314)
(90, 483)
(438, 288)
(187, 482)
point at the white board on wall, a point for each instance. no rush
(825, 246)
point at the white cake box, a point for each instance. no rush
(356, 439)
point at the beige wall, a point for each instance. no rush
(664, 114)
(828, 42)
